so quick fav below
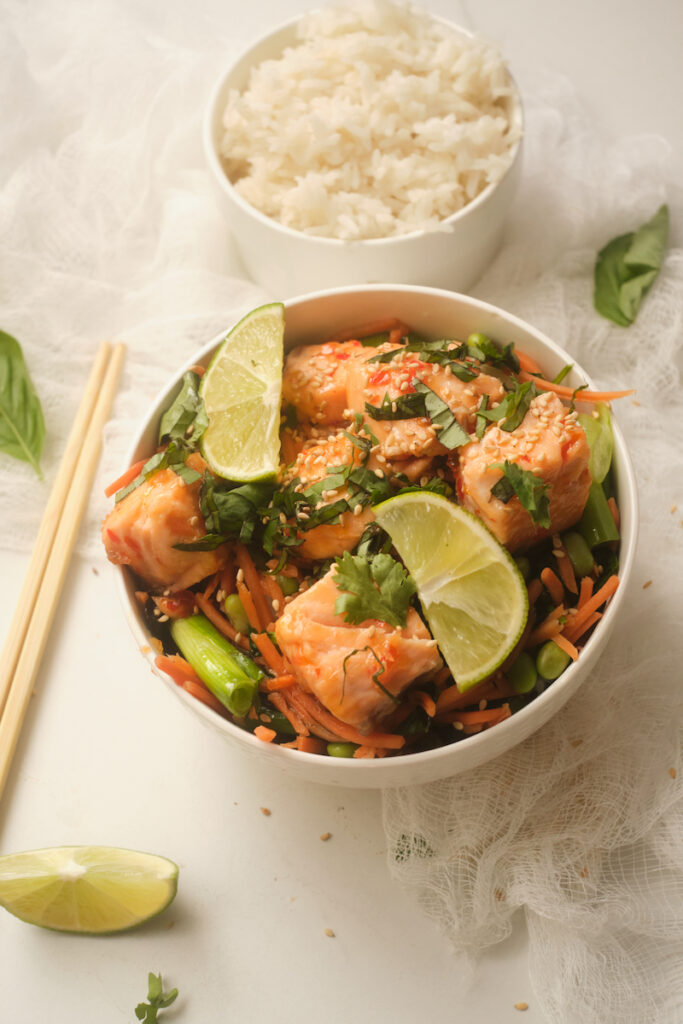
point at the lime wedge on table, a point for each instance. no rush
(90, 889)
(241, 391)
(471, 591)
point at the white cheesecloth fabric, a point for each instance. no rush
(110, 229)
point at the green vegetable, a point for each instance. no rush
(524, 566)
(529, 488)
(627, 266)
(186, 416)
(157, 1000)
(598, 430)
(230, 676)
(551, 660)
(373, 588)
(172, 457)
(405, 407)
(288, 585)
(22, 427)
(341, 749)
(234, 609)
(580, 554)
(514, 407)
(451, 434)
(481, 347)
(596, 525)
(522, 673)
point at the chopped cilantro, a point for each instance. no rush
(529, 488)
(509, 413)
(373, 588)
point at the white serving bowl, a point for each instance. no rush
(289, 262)
(437, 313)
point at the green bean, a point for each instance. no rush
(522, 673)
(524, 566)
(580, 554)
(230, 676)
(596, 525)
(551, 660)
(341, 749)
(288, 585)
(234, 609)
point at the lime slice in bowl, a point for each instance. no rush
(88, 889)
(241, 390)
(470, 588)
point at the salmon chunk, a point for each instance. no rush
(142, 529)
(313, 464)
(550, 443)
(315, 380)
(343, 665)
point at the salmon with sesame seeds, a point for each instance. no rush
(359, 671)
(315, 377)
(142, 529)
(550, 443)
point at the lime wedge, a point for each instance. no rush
(471, 591)
(89, 889)
(241, 391)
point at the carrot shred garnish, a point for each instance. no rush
(365, 330)
(442, 676)
(425, 701)
(549, 628)
(249, 607)
(534, 590)
(278, 683)
(270, 654)
(489, 689)
(220, 622)
(274, 594)
(576, 635)
(211, 585)
(264, 734)
(125, 479)
(228, 578)
(253, 582)
(585, 590)
(200, 692)
(565, 568)
(342, 729)
(576, 626)
(614, 509)
(284, 707)
(553, 585)
(578, 396)
(481, 717)
(566, 646)
(177, 668)
(198, 369)
(527, 363)
(142, 597)
(311, 745)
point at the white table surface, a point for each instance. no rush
(108, 756)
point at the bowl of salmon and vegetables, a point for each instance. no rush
(377, 535)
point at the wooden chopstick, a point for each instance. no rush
(40, 594)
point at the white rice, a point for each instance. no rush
(381, 121)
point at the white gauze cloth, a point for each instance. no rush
(110, 229)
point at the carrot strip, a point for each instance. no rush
(365, 752)
(228, 578)
(125, 479)
(585, 590)
(253, 582)
(177, 668)
(200, 692)
(278, 701)
(220, 622)
(264, 734)
(565, 392)
(273, 592)
(565, 568)
(142, 597)
(614, 509)
(534, 590)
(198, 369)
(311, 745)
(345, 731)
(481, 717)
(577, 634)
(549, 628)
(278, 683)
(249, 607)
(425, 702)
(376, 327)
(271, 655)
(553, 585)
(211, 585)
(527, 363)
(566, 646)
(442, 676)
(489, 689)
(592, 605)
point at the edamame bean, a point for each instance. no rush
(551, 660)
(524, 566)
(580, 554)
(522, 673)
(288, 585)
(234, 609)
(341, 749)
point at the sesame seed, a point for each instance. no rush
(521, 1006)
(357, 509)
(276, 605)
(325, 836)
(329, 933)
(238, 638)
(379, 473)
(483, 704)
(240, 575)
(163, 618)
(458, 726)
(265, 811)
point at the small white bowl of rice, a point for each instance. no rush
(366, 144)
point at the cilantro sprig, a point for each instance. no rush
(157, 1000)
(525, 485)
(373, 588)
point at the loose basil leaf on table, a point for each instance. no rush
(626, 268)
(22, 426)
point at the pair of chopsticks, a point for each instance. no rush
(30, 626)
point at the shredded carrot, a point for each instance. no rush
(220, 622)
(425, 702)
(534, 590)
(211, 585)
(249, 608)
(311, 745)
(292, 745)
(549, 628)
(228, 578)
(264, 734)
(198, 369)
(580, 396)
(200, 692)
(553, 585)
(527, 363)
(395, 336)
(253, 582)
(142, 597)
(346, 732)
(489, 689)
(274, 594)
(585, 590)
(566, 646)
(482, 717)
(278, 683)
(284, 707)
(177, 668)
(577, 621)
(270, 654)
(564, 567)
(364, 752)
(442, 676)
(376, 327)
(584, 627)
(125, 478)
(614, 509)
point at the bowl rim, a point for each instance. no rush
(212, 156)
(388, 766)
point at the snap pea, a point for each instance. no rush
(522, 673)
(234, 609)
(341, 749)
(230, 676)
(580, 554)
(551, 660)
(596, 525)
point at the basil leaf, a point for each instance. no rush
(529, 488)
(22, 427)
(512, 410)
(209, 542)
(485, 350)
(172, 457)
(406, 407)
(452, 435)
(186, 413)
(626, 268)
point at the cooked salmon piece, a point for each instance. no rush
(415, 437)
(550, 443)
(315, 380)
(141, 530)
(336, 661)
(313, 464)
